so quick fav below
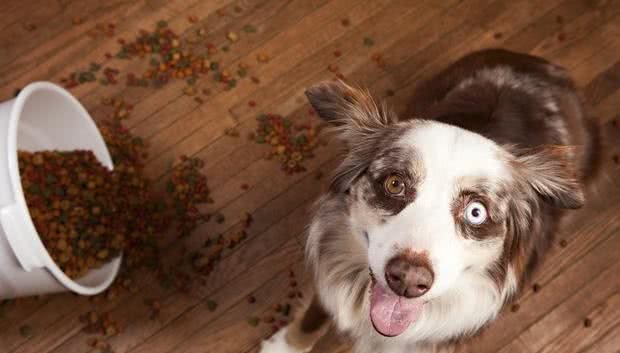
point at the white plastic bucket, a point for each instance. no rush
(43, 116)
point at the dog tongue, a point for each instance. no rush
(392, 314)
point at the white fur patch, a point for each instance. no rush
(277, 344)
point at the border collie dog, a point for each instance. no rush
(432, 224)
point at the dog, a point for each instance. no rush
(433, 224)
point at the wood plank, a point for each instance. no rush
(579, 337)
(550, 295)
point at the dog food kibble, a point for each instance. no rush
(188, 188)
(563, 243)
(290, 147)
(211, 305)
(587, 322)
(253, 321)
(25, 331)
(74, 206)
(369, 42)
(249, 29)
(515, 307)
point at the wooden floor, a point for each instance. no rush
(579, 281)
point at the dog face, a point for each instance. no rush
(440, 210)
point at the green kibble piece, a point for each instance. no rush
(249, 28)
(25, 331)
(253, 321)
(211, 305)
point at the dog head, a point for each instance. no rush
(444, 214)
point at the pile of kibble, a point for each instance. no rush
(74, 205)
(86, 214)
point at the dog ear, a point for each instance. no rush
(549, 171)
(349, 109)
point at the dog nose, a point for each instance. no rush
(408, 276)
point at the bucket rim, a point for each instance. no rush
(18, 192)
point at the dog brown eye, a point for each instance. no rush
(394, 184)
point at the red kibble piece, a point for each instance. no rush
(332, 68)
(337, 53)
(562, 37)
(345, 22)
(245, 186)
(515, 307)
(498, 35)
(255, 79)
(563, 243)
(252, 104)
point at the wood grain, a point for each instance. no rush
(416, 39)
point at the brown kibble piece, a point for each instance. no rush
(587, 322)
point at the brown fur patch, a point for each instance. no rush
(305, 331)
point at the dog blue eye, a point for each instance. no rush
(475, 213)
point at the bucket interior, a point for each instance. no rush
(53, 120)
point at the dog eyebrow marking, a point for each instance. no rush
(403, 161)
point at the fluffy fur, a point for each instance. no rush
(502, 129)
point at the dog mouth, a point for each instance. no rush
(390, 313)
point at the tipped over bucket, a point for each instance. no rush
(43, 116)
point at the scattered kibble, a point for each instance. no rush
(290, 147)
(587, 322)
(561, 37)
(345, 22)
(337, 53)
(515, 307)
(30, 27)
(378, 59)
(232, 36)
(249, 28)
(563, 243)
(232, 132)
(498, 35)
(245, 187)
(252, 104)
(188, 188)
(192, 19)
(262, 58)
(368, 42)
(102, 324)
(102, 30)
(77, 20)
(25, 331)
(253, 321)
